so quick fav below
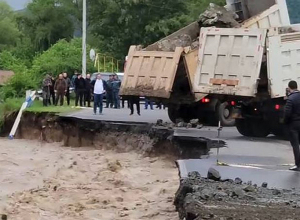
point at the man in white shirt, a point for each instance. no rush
(99, 89)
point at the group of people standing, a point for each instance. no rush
(55, 90)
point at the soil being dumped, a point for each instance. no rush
(46, 181)
(202, 198)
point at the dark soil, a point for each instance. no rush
(201, 198)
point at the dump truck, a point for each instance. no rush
(164, 70)
(212, 86)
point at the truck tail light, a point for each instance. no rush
(205, 100)
(277, 107)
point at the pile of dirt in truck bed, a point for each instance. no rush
(214, 15)
(201, 198)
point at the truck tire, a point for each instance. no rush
(260, 128)
(173, 112)
(244, 128)
(225, 114)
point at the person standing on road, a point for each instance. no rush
(60, 89)
(46, 90)
(99, 89)
(148, 102)
(292, 119)
(79, 90)
(134, 100)
(88, 90)
(68, 81)
(116, 84)
(52, 93)
(109, 95)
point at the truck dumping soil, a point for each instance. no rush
(201, 198)
(47, 181)
(214, 15)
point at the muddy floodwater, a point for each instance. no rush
(42, 181)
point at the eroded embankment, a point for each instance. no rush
(123, 137)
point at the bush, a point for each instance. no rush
(62, 57)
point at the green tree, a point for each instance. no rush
(47, 21)
(117, 24)
(8, 27)
(62, 57)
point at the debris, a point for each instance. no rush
(276, 192)
(206, 194)
(249, 188)
(194, 175)
(238, 192)
(189, 125)
(74, 163)
(159, 122)
(213, 174)
(3, 217)
(199, 126)
(181, 124)
(214, 15)
(238, 180)
(218, 16)
(194, 121)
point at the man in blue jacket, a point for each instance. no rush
(292, 119)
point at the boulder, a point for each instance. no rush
(213, 174)
(238, 180)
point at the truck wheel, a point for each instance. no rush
(173, 112)
(260, 128)
(244, 128)
(225, 114)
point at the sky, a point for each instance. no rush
(17, 4)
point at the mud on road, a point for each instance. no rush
(47, 181)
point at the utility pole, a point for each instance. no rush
(84, 39)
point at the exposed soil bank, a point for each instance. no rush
(143, 138)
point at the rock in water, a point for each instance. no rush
(264, 185)
(213, 174)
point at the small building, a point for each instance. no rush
(5, 75)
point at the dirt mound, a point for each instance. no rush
(201, 198)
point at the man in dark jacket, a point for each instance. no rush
(68, 81)
(60, 88)
(46, 89)
(79, 90)
(88, 90)
(109, 95)
(52, 93)
(292, 119)
(116, 84)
